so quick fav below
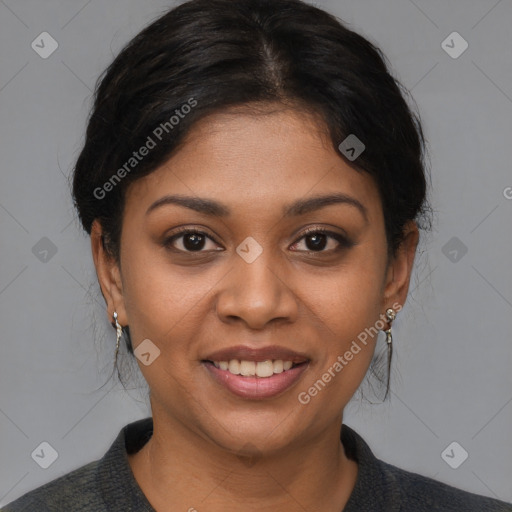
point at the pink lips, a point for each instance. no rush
(257, 388)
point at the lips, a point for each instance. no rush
(256, 373)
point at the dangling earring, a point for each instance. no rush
(119, 332)
(390, 316)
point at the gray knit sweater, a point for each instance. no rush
(108, 484)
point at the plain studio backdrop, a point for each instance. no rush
(451, 384)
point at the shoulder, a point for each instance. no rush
(103, 485)
(76, 490)
(419, 493)
(381, 486)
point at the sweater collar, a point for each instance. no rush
(376, 488)
(114, 476)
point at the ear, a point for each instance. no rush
(109, 275)
(400, 269)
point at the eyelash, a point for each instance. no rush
(343, 242)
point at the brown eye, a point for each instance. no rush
(192, 240)
(317, 239)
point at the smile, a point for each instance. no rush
(252, 368)
(256, 380)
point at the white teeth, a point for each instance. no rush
(250, 368)
(278, 366)
(234, 366)
(264, 368)
(247, 368)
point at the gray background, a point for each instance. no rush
(451, 379)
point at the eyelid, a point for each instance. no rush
(321, 229)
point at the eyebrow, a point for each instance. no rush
(299, 207)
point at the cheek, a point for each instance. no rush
(348, 306)
(162, 300)
(351, 298)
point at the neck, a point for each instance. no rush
(180, 470)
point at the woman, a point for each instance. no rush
(253, 182)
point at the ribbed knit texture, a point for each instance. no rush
(108, 484)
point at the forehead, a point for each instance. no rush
(249, 159)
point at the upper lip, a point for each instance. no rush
(246, 353)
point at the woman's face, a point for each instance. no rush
(254, 286)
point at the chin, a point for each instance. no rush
(245, 431)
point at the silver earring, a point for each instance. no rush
(390, 316)
(119, 332)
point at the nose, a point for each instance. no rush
(257, 293)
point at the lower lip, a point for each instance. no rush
(256, 387)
